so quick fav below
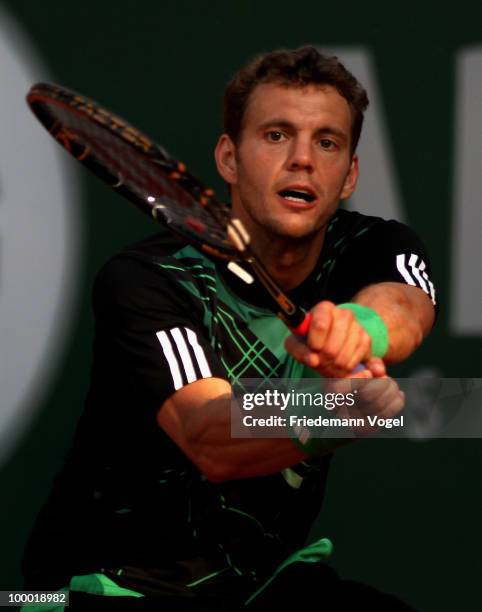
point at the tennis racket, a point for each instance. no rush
(159, 185)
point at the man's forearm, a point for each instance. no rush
(198, 419)
(407, 312)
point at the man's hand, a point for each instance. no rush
(335, 344)
(380, 397)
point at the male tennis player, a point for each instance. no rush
(158, 507)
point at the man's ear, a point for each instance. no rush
(350, 179)
(225, 156)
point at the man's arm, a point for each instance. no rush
(336, 343)
(198, 416)
(198, 419)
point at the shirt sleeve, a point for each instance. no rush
(388, 251)
(150, 330)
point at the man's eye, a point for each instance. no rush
(326, 143)
(274, 136)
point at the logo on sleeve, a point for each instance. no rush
(413, 270)
(185, 356)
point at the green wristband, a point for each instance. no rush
(373, 324)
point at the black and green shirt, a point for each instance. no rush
(128, 502)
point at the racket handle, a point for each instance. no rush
(302, 330)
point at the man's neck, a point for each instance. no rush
(288, 262)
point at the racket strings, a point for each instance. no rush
(151, 180)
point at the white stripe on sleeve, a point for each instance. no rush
(428, 281)
(198, 351)
(416, 270)
(403, 270)
(171, 359)
(184, 353)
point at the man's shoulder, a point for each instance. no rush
(160, 247)
(362, 250)
(154, 270)
(356, 230)
(354, 222)
(160, 254)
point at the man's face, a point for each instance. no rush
(293, 163)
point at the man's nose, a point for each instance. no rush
(301, 155)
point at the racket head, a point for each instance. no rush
(134, 166)
(158, 184)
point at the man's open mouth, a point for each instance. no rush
(297, 195)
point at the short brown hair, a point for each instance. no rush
(293, 68)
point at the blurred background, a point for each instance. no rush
(404, 516)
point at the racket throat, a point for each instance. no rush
(287, 310)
